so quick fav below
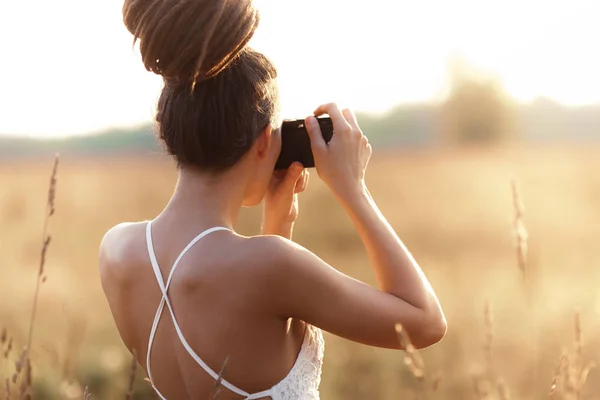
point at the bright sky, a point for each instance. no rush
(68, 66)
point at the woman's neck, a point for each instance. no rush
(207, 199)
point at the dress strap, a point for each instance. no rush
(165, 300)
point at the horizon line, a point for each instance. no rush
(115, 129)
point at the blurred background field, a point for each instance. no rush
(459, 99)
(453, 209)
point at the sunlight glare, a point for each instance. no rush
(70, 75)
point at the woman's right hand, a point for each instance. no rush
(342, 162)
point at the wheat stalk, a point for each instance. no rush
(413, 359)
(6, 343)
(25, 390)
(416, 365)
(522, 256)
(489, 341)
(217, 386)
(86, 394)
(580, 373)
(556, 386)
(521, 234)
(491, 380)
(570, 375)
(45, 244)
(9, 347)
(132, 371)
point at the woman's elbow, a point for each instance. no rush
(429, 330)
(432, 333)
(434, 328)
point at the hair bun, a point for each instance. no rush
(190, 39)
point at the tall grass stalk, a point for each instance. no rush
(217, 388)
(86, 394)
(41, 278)
(492, 381)
(132, 372)
(522, 236)
(413, 360)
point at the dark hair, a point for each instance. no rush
(218, 94)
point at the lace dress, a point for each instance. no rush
(303, 380)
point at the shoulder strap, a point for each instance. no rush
(165, 300)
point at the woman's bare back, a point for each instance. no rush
(218, 298)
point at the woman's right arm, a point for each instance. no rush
(309, 289)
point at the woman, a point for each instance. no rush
(189, 304)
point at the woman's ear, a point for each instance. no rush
(264, 141)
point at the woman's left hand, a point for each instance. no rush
(280, 208)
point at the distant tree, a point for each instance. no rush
(477, 109)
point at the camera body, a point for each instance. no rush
(295, 142)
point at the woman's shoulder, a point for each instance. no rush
(272, 250)
(121, 245)
(275, 259)
(263, 269)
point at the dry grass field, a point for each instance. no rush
(454, 210)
